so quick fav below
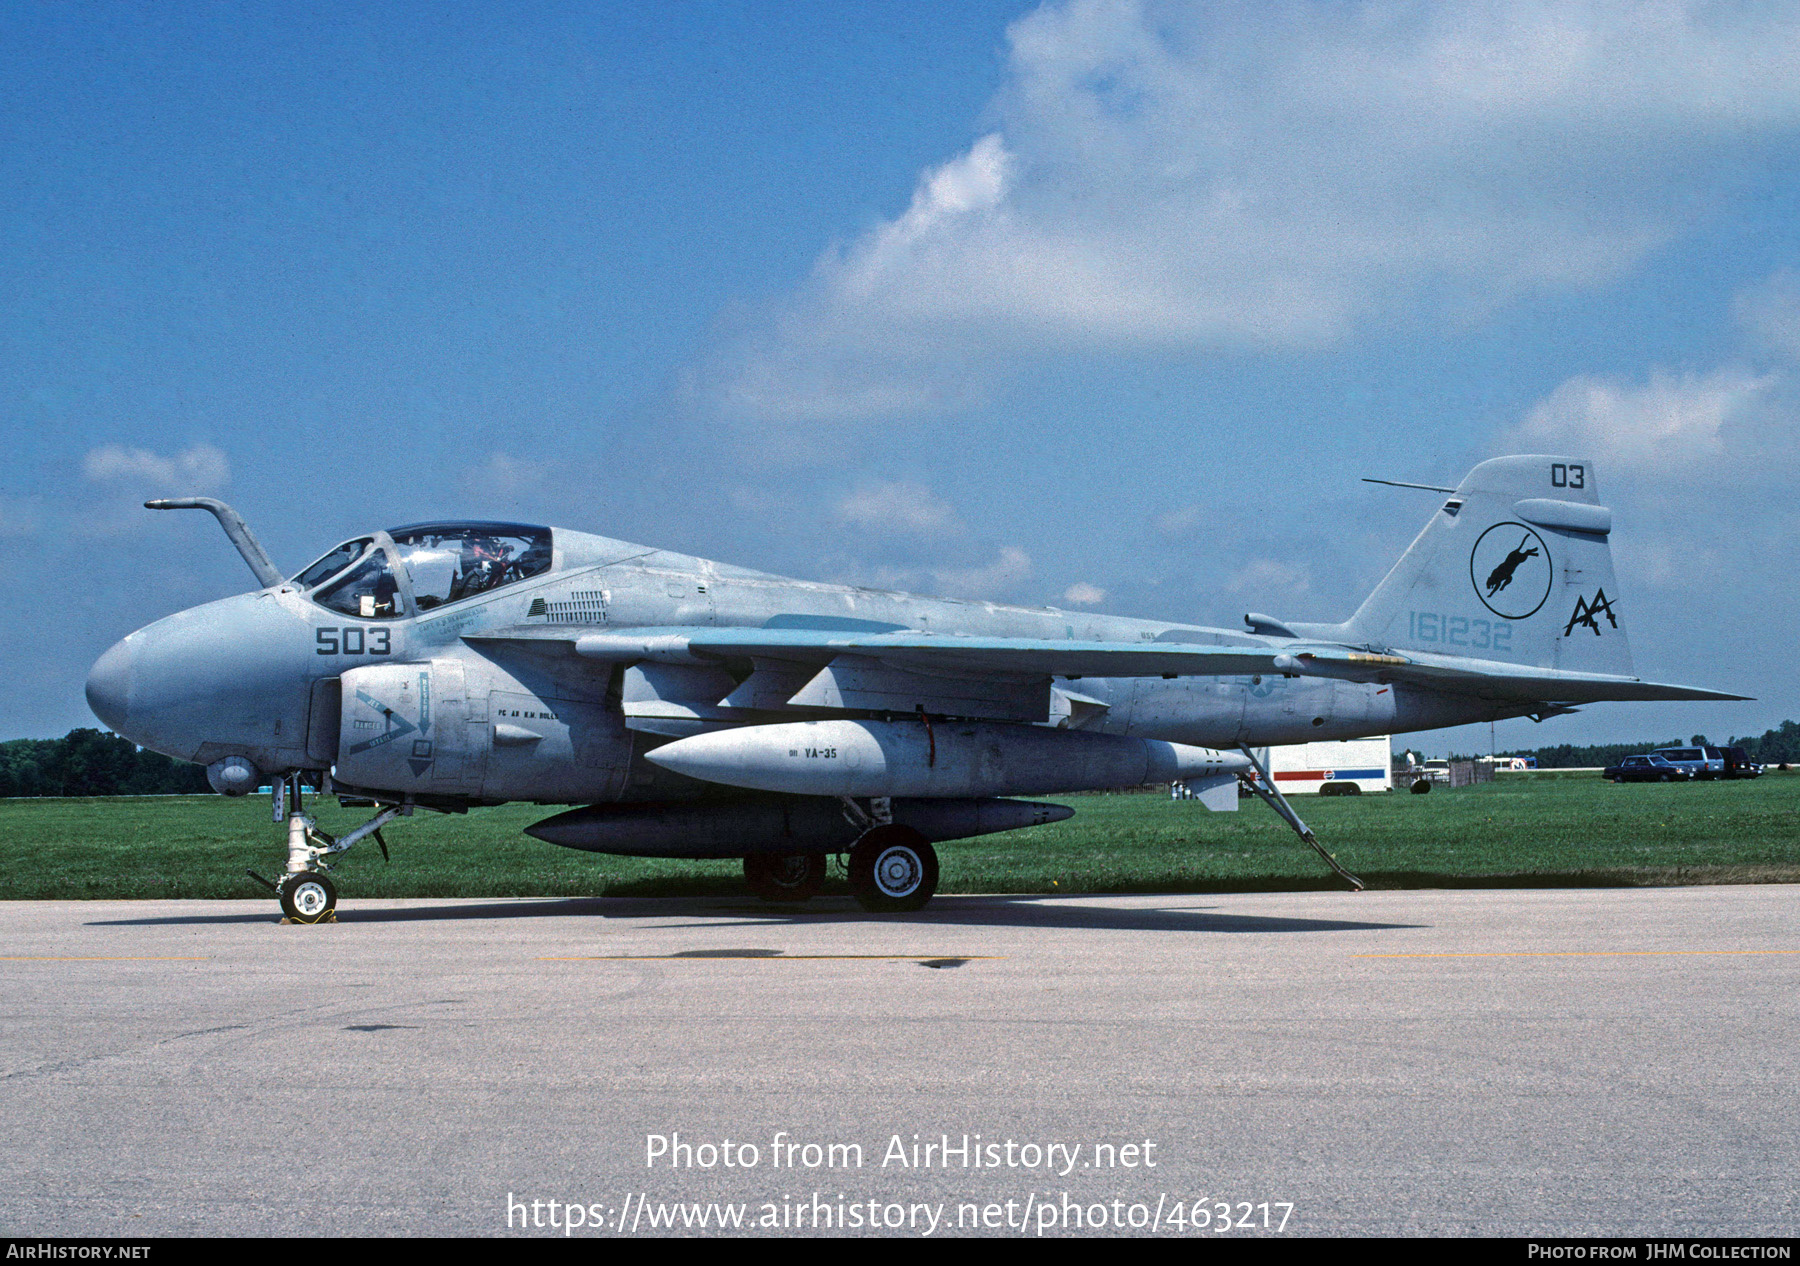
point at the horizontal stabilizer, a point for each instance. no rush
(1490, 679)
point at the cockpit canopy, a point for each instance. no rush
(447, 562)
(424, 565)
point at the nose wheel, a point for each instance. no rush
(310, 897)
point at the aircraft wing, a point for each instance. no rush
(1021, 660)
(909, 650)
(677, 678)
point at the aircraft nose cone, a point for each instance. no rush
(109, 686)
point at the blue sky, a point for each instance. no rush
(1102, 304)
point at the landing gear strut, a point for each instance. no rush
(1264, 787)
(306, 891)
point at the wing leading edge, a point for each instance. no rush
(1031, 659)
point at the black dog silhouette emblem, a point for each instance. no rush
(1502, 575)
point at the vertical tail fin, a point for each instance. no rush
(1515, 565)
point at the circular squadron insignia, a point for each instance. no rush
(1511, 571)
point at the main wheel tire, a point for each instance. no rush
(1422, 787)
(893, 869)
(785, 876)
(308, 897)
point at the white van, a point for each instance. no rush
(1346, 768)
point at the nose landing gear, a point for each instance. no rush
(306, 892)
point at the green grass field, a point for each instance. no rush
(1529, 830)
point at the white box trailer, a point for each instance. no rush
(1311, 768)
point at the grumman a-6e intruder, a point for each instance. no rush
(695, 709)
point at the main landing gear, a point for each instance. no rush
(306, 892)
(892, 868)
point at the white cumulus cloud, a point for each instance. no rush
(201, 468)
(1270, 576)
(899, 507)
(1083, 594)
(998, 580)
(1165, 176)
(1669, 423)
(1010, 568)
(1179, 523)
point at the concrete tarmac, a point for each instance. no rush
(1590, 1062)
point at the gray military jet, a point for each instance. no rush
(696, 709)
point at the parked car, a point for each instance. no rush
(1701, 762)
(1739, 765)
(1651, 768)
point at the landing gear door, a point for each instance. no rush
(323, 722)
(459, 737)
(403, 730)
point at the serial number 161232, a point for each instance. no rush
(1459, 630)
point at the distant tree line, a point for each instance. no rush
(91, 763)
(1774, 747)
(1571, 756)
